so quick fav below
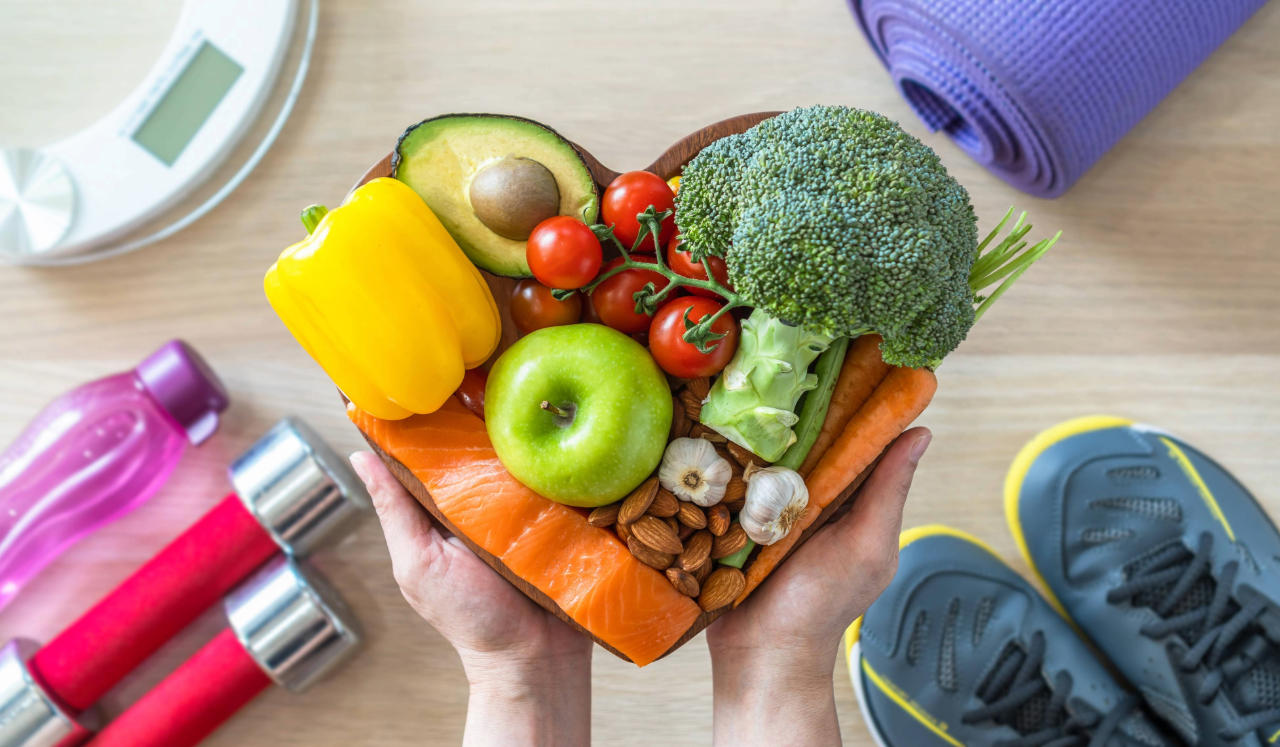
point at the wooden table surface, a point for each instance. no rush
(1160, 303)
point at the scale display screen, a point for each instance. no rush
(193, 96)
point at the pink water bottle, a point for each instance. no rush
(96, 453)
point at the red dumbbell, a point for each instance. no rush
(287, 626)
(292, 492)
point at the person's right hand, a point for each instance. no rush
(530, 673)
(773, 656)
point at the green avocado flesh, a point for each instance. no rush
(439, 158)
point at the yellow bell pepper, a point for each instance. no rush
(383, 299)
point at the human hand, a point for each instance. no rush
(773, 656)
(530, 673)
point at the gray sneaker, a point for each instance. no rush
(961, 651)
(1166, 562)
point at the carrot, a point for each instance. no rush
(890, 410)
(862, 372)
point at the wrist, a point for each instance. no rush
(514, 671)
(528, 701)
(777, 696)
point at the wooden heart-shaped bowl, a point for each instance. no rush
(667, 165)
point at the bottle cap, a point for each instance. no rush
(292, 622)
(29, 716)
(298, 488)
(186, 387)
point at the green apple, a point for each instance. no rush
(579, 413)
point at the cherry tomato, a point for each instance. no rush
(630, 194)
(682, 359)
(682, 264)
(533, 307)
(471, 390)
(589, 315)
(563, 253)
(614, 299)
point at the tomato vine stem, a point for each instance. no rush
(647, 298)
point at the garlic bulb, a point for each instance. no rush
(776, 499)
(693, 470)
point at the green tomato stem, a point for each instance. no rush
(649, 219)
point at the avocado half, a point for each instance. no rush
(490, 178)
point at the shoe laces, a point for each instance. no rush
(1013, 689)
(1230, 632)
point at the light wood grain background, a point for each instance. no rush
(1161, 302)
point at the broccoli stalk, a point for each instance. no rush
(753, 402)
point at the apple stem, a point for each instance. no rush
(558, 411)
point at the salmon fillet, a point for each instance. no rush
(585, 569)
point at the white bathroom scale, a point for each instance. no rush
(186, 136)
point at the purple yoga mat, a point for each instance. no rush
(1038, 90)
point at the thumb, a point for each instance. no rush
(874, 522)
(408, 528)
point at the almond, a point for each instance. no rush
(624, 531)
(730, 542)
(686, 531)
(605, 515)
(699, 387)
(638, 502)
(684, 582)
(701, 431)
(679, 421)
(692, 404)
(735, 490)
(691, 516)
(675, 525)
(718, 519)
(649, 556)
(723, 451)
(664, 504)
(685, 426)
(721, 588)
(701, 572)
(735, 506)
(659, 535)
(745, 456)
(696, 551)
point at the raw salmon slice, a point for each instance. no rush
(586, 570)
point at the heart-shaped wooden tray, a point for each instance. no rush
(667, 165)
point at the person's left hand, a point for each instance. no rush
(772, 657)
(524, 663)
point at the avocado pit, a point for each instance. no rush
(512, 196)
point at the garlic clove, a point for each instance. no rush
(776, 500)
(694, 472)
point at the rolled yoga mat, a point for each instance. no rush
(1038, 90)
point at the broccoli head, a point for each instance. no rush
(707, 205)
(838, 220)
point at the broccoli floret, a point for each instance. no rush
(844, 223)
(707, 205)
(835, 222)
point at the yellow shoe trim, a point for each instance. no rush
(1189, 470)
(919, 714)
(1018, 473)
(852, 635)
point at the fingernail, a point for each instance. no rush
(357, 464)
(918, 448)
